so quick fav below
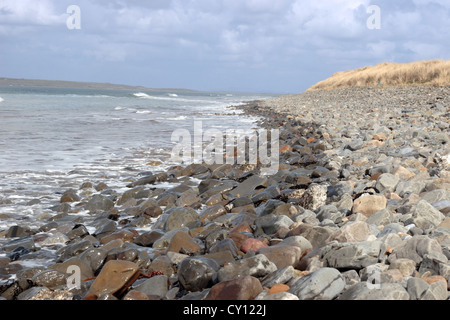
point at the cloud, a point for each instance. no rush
(226, 38)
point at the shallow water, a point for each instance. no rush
(52, 140)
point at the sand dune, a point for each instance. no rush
(430, 72)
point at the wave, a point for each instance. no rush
(176, 118)
(172, 95)
(1, 99)
(142, 95)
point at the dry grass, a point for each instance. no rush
(430, 72)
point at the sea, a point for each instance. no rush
(54, 139)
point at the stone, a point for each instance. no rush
(406, 266)
(323, 284)
(352, 231)
(179, 217)
(279, 296)
(183, 242)
(416, 287)
(155, 286)
(369, 204)
(298, 241)
(116, 276)
(353, 255)
(225, 245)
(425, 216)
(50, 279)
(99, 203)
(282, 255)
(19, 232)
(256, 266)
(196, 273)
(318, 236)
(135, 295)
(147, 239)
(278, 287)
(436, 291)
(380, 218)
(124, 235)
(281, 276)
(367, 291)
(252, 244)
(415, 249)
(387, 182)
(67, 267)
(70, 196)
(244, 288)
(247, 187)
(212, 212)
(314, 197)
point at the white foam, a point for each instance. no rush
(141, 95)
(1, 99)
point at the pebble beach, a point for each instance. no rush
(358, 210)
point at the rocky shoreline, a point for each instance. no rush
(360, 209)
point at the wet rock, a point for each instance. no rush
(245, 288)
(99, 203)
(183, 242)
(225, 245)
(116, 276)
(248, 186)
(19, 232)
(179, 217)
(155, 286)
(323, 284)
(50, 279)
(196, 273)
(68, 265)
(147, 239)
(70, 196)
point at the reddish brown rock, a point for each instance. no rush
(184, 243)
(115, 277)
(252, 244)
(125, 235)
(245, 288)
(279, 287)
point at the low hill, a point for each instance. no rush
(427, 72)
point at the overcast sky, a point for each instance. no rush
(276, 46)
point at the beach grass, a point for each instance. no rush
(389, 74)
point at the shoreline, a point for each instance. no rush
(363, 183)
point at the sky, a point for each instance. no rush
(270, 46)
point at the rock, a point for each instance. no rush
(179, 217)
(282, 275)
(65, 267)
(94, 258)
(436, 291)
(147, 239)
(282, 255)
(19, 232)
(70, 196)
(265, 295)
(116, 276)
(405, 266)
(256, 266)
(425, 216)
(323, 284)
(225, 245)
(314, 197)
(353, 231)
(356, 255)
(183, 242)
(244, 288)
(416, 287)
(196, 273)
(50, 279)
(383, 291)
(42, 293)
(188, 198)
(380, 218)
(247, 187)
(298, 241)
(274, 224)
(99, 203)
(278, 287)
(415, 249)
(212, 212)
(155, 286)
(369, 204)
(316, 235)
(135, 295)
(387, 182)
(252, 244)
